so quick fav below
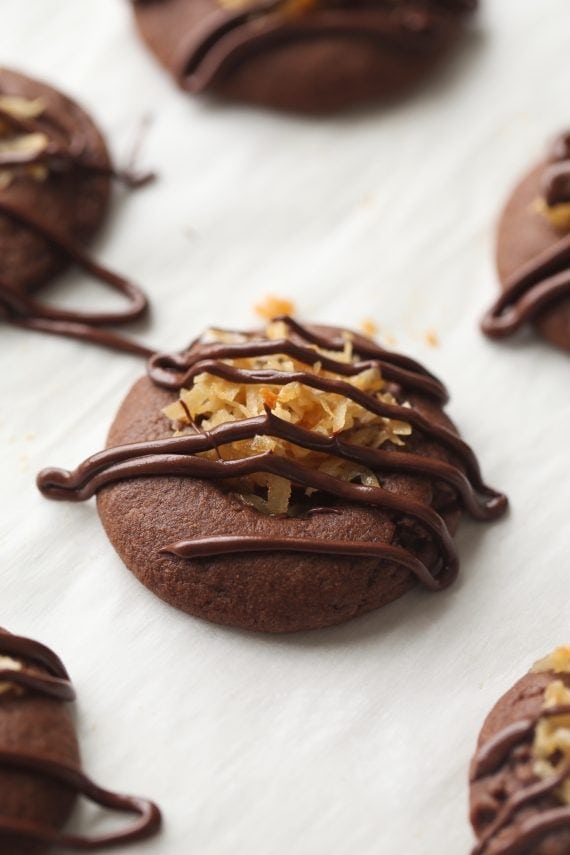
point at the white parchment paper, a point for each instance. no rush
(354, 739)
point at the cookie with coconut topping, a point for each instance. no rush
(55, 180)
(302, 55)
(40, 767)
(283, 480)
(520, 774)
(533, 253)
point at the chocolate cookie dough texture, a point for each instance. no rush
(283, 480)
(40, 769)
(302, 55)
(533, 253)
(55, 180)
(520, 775)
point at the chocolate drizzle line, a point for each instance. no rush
(19, 309)
(492, 755)
(177, 455)
(226, 37)
(545, 280)
(57, 685)
(149, 815)
(540, 283)
(556, 176)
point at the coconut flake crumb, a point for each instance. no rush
(273, 306)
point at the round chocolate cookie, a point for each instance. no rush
(55, 179)
(40, 771)
(533, 253)
(313, 477)
(308, 56)
(33, 723)
(520, 774)
(58, 193)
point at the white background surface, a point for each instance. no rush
(353, 740)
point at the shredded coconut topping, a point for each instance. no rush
(212, 401)
(551, 746)
(557, 215)
(557, 661)
(19, 142)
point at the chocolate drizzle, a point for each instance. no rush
(54, 684)
(556, 176)
(57, 686)
(228, 36)
(65, 155)
(490, 758)
(178, 456)
(545, 280)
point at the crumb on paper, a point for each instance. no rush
(272, 306)
(369, 327)
(431, 338)
(390, 340)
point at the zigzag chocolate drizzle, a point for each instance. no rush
(65, 155)
(490, 758)
(178, 455)
(57, 685)
(226, 36)
(545, 280)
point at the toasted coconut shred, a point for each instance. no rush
(213, 401)
(551, 745)
(22, 143)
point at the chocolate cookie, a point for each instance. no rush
(520, 774)
(312, 477)
(533, 253)
(40, 769)
(301, 55)
(55, 177)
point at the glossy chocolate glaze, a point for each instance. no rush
(57, 686)
(490, 758)
(546, 279)
(226, 37)
(65, 155)
(178, 455)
